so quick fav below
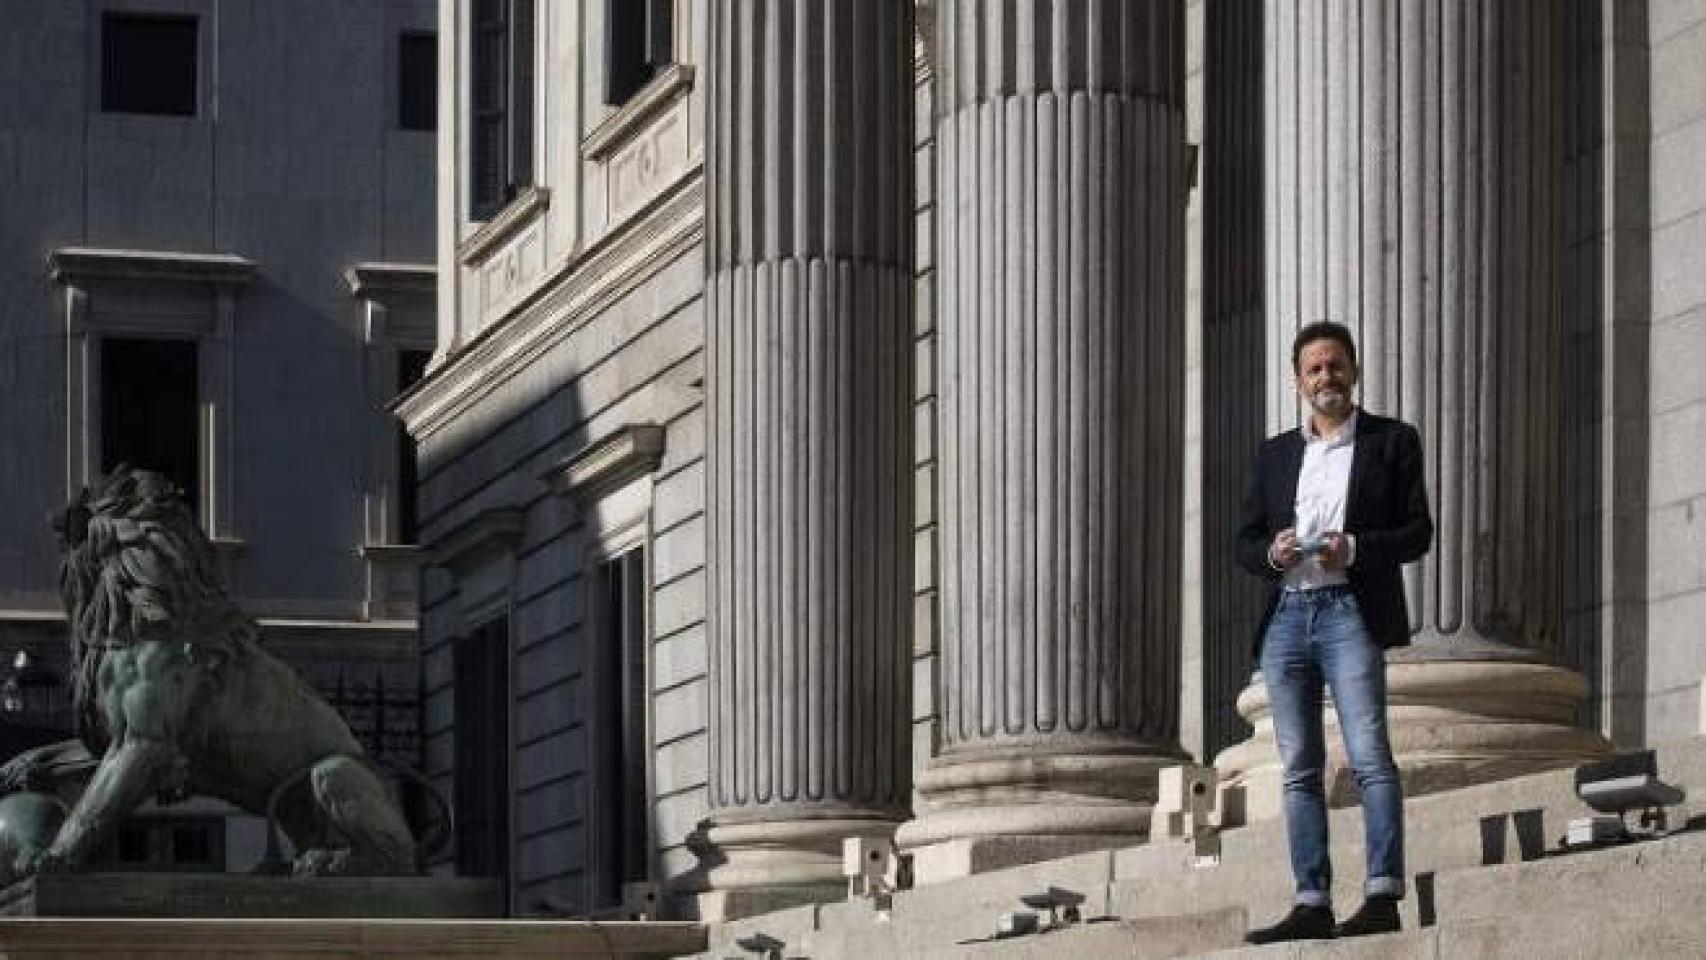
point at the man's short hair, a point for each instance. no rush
(1323, 330)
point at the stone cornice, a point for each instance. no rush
(497, 529)
(390, 552)
(629, 453)
(78, 266)
(577, 291)
(658, 93)
(519, 213)
(376, 281)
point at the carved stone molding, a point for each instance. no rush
(81, 266)
(379, 281)
(490, 532)
(491, 235)
(631, 452)
(599, 276)
(673, 83)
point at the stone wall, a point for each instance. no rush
(294, 161)
(1675, 588)
(573, 315)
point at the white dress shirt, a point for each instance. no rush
(1323, 486)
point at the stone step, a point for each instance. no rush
(1553, 936)
(1464, 844)
(1666, 876)
(1160, 938)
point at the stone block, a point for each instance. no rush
(679, 605)
(239, 896)
(1668, 18)
(319, 939)
(678, 658)
(679, 496)
(959, 859)
(678, 551)
(681, 764)
(679, 711)
(1678, 284)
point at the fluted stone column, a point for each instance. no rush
(1061, 191)
(1414, 164)
(808, 335)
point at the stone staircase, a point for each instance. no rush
(1486, 883)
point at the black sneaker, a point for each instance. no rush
(1302, 923)
(1378, 914)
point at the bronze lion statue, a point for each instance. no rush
(173, 696)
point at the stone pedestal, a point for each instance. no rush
(321, 939)
(1414, 165)
(1061, 191)
(207, 895)
(809, 373)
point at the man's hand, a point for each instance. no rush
(1283, 553)
(1335, 551)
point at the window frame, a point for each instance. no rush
(120, 293)
(510, 167)
(614, 544)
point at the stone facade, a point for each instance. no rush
(280, 227)
(1099, 319)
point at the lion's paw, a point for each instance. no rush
(322, 863)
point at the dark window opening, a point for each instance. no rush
(191, 845)
(149, 401)
(417, 81)
(148, 64)
(623, 807)
(502, 97)
(639, 38)
(135, 846)
(481, 692)
(411, 366)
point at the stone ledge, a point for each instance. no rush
(80, 265)
(618, 128)
(376, 280)
(517, 214)
(629, 453)
(322, 939)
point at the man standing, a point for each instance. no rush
(1332, 511)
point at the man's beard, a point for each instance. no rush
(1331, 402)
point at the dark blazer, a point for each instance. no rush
(1386, 509)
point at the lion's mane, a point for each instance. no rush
(136, 569)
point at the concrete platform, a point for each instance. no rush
(236, 896)
(87, 939)
(1483, 884)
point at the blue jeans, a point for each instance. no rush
(1317, 639)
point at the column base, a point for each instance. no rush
(987, 812)
(1460, 713)
(758, 866)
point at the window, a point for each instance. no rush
(638, 43)
(148, 64)
(481, 692)
(502, 130)
(623, 807)
(148, 410)
(411, 366)
(417, 81)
